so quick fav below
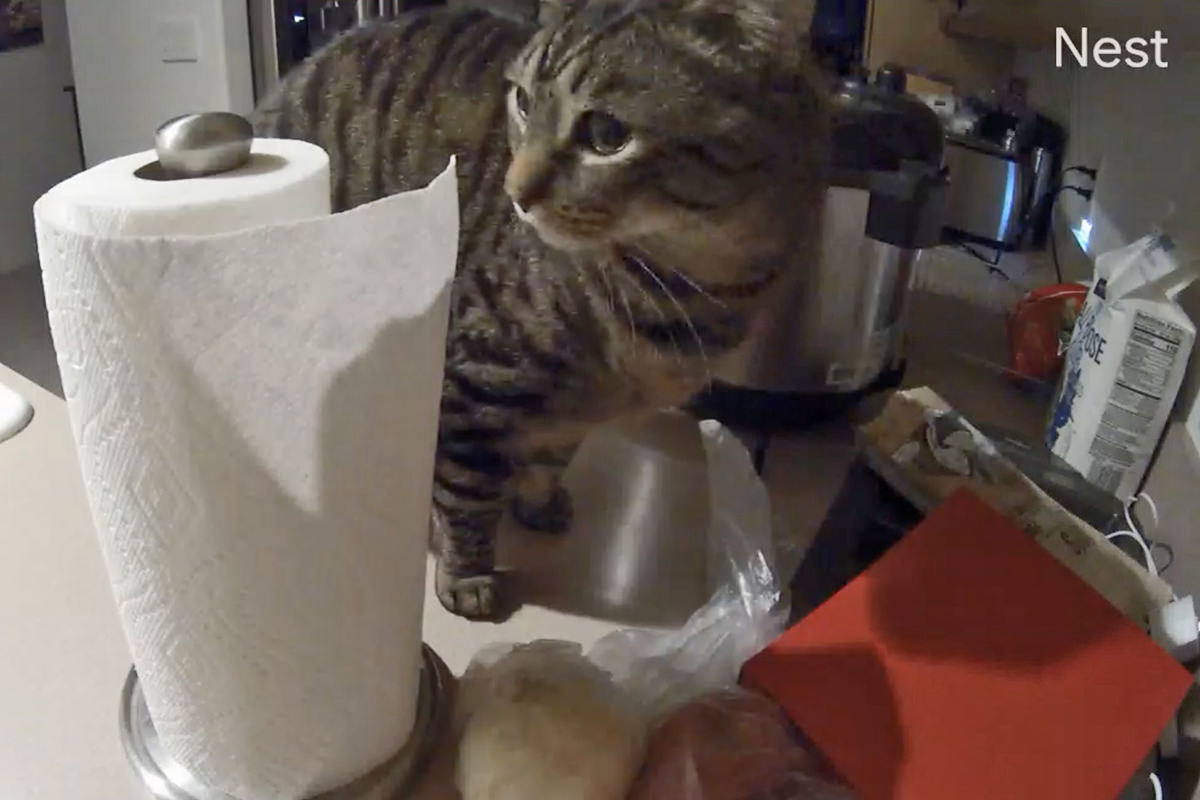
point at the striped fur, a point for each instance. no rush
(590, 284)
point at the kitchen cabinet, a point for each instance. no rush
(973, 43)
(1023, 24)
(910, 33)
(1033, 24)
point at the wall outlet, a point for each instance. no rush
(178, 40)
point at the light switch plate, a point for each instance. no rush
(178, 40)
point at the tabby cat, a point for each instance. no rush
(634, 176)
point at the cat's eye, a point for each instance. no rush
(520, 100)
(603, 133)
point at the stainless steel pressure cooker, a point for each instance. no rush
(836, 329)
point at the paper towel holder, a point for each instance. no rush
(167, 779)
(209, 143)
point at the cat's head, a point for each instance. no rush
(664, 125)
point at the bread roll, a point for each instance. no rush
(730, 745)
(542, 723)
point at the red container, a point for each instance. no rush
(1038, 329)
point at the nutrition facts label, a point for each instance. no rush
(1146, 368)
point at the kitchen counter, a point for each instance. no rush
(66, 656)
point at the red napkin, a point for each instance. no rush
(968, 662)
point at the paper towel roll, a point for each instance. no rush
(254, 387)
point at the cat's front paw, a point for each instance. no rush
(553, 516)
(472, 596)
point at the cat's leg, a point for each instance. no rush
(468, 495)
(540, 502)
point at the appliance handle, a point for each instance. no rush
(1041, 165)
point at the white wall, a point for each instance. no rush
(126, 90)
(38, 146)
(1141, 126)
(1143, 129)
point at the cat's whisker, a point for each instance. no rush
(608, 288)
(687, 318)
(629, 316)
(662, 315)
(700, 290)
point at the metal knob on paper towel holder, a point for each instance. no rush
(195, 146)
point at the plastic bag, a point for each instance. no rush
(746, 611)
(541, 721)
(731, 745)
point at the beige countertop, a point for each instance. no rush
(63, 653)
(65, 656)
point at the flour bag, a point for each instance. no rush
(1124, 366)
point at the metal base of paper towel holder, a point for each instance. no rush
(167, 779)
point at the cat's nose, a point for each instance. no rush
(528, 180)
(528, 198)
(529, 193)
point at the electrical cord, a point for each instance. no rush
(1147, 548)
(1082, 169)
(993, 264)
(1054, 249)
(1135, 533)
(1170, 552)
(1156, 785)
(1146, 553)
(1132, 504)
(1054, 194)
(1086, 194)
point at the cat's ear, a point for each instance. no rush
(765, 25)
(551, 12)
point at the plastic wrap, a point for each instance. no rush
(542, 721)
(661, 670)
(731, 745)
